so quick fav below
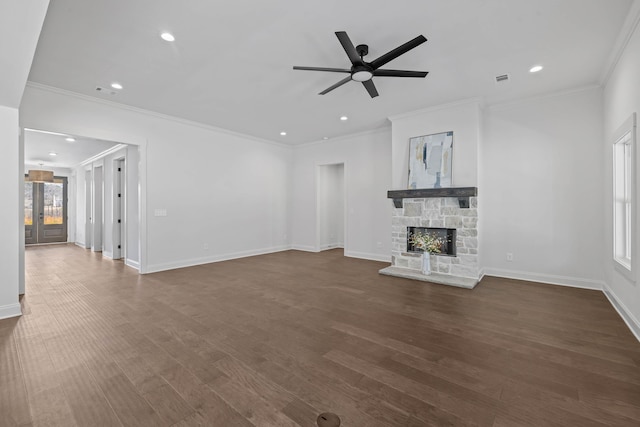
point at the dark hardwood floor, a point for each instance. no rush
(275, 340)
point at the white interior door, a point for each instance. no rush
(97, 209)
(119, 223)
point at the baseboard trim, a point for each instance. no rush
(331, 246)
(83, 245)
(304, 248)
(368, 256)
(573, 282)
(632, 322)
(10, 310)
(131, 263)
(107, 254)
(214, 258)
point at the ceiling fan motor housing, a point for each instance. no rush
(362, 49)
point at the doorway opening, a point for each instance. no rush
(331, 217)
(45, 211)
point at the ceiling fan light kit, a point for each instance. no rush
(361, 75)
(362, 71)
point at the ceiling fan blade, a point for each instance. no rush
(348, 47)
(393, 54)
(399, 73)
(333, 70)
(340, 83)
(371, 88)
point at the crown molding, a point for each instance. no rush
(386, 128)
(154, 114)
(627, 31)
(99, 156)
(478, 101)
(563, 92)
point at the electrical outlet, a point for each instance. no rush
(509, 256)
(378, 244)
(205, 246)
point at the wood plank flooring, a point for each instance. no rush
(277, 339)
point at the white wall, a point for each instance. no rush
(80, 208)
(367, 177)
(331, 206)
(463, 118)
(20, 26)
(542, 189)
(10, 213)
(621, 99)
(21, 229)
(220, 189)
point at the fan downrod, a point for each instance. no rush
(362, 49)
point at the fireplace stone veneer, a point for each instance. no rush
(437, 212)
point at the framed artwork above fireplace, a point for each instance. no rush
(430, 161)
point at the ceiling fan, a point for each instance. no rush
(362, 71)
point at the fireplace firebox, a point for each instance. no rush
(448, 235)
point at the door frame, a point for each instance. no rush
(345, 209)
(97, 208)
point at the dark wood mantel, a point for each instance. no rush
(461, 193)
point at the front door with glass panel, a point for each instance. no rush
(45, 211)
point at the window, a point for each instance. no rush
(623, 197)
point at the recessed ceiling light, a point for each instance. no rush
(70, 139)
(344, 118)
(116, 86)
(535, 69)
(283, 133)
(325, 137)
(167, 37)
(52, 153)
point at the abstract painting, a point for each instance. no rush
(430, 161)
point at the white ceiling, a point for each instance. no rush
(231, 63)
(38, 145)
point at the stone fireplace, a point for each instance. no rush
(455, 212)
